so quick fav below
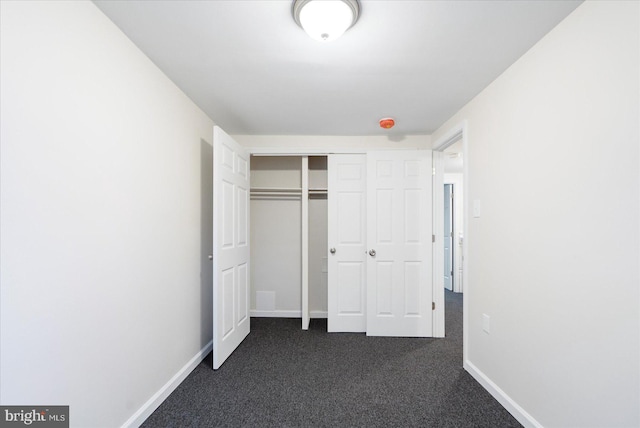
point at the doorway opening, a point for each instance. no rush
(450, 220)
(454, 210)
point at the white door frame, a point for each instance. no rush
(456, 133)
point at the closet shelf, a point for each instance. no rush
(281, 193)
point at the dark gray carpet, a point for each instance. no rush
(281, 376)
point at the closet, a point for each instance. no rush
(288, 237)
(371, 210)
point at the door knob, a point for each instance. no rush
(372, 253)
(332, 251)
(210, 256)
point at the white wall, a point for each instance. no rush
(318, 239)
(333, 144)
(276, 238)
(102, 199)
(553, 158)
(276, 257)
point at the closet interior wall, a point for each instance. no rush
(276, 236)
(318, 236)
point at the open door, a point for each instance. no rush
(231, 319)
(347, 240)
(399, 273)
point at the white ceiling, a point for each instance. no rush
(254, 71)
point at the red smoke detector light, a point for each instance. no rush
(387, 123)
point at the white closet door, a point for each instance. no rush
(346, 201)
(231, 319)
(399, 275)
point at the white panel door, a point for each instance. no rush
(346, 223)
(231, 319)
(448, 236)
(399, 272)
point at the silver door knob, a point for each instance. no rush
(210, 256)
(372, 253)
(332, 251)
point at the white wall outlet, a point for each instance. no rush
(485, 323)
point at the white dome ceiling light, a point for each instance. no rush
(325, 20)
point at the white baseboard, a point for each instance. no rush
(286, 314)
(276, 314)
(318, 314)
(154, 402)
(507, 402)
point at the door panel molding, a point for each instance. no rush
(346, 201)
(231, 321)
(399, 228)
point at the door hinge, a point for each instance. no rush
(433, 238)
(433, 172)
(433, 306)
(451, 195)
(451, 273)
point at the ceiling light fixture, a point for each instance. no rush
(325, 20)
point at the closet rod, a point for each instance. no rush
(277, 189)
(273, 197)
(275, 193)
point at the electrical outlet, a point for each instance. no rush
(485, 323)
